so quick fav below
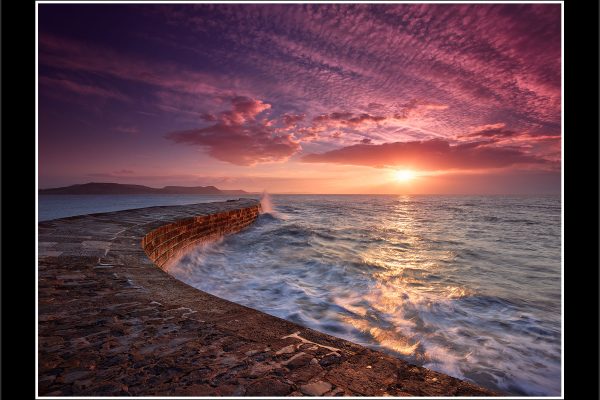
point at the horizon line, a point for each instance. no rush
(280, 193)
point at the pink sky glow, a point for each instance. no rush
(292, 98)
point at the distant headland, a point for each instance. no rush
(118, 188)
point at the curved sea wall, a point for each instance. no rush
(171, 240)
(110, 323)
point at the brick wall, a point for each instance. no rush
(172, 240)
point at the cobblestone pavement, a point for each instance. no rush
(111, 323)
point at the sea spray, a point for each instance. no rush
(265, 203)
(185, 265)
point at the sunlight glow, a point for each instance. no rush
(404, 175)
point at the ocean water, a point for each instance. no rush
(465, 285)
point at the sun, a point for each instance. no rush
(404, 175)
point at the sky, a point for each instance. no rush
(302, 98)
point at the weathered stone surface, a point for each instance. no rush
(268, 387)
(298, 360)
(330, 360)
(305, 373)
(111, 323)
(316, 388)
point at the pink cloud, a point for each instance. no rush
(292, 120)
(501, 133)
(435, 154)
(244, 110)
(451, 54)
(416, 108)
(338, 119)
(542, 144)
(308, 134)
(239, 137)
(494, 132)
(395, 72)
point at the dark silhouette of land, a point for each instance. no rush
(118, 188)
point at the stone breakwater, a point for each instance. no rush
(165, 243)
(111, 323)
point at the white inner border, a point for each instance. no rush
(562, 169)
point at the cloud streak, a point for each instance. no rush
(430, 155)
(82, 89)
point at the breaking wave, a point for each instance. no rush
(469, 286)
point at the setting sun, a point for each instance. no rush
(404, 175)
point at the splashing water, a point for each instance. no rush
(265, 203)
(469, 286)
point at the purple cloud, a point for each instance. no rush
(82, 89)
(239, 137)
(430, 155)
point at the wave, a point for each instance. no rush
(403, 277)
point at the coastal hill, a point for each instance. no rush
(117, 188)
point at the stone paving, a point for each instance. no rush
(112, 323)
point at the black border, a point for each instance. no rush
(581, 194)
(18, 263)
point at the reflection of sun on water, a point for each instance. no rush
(391, 339)
(402, 290)
(389, 294)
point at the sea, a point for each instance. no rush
(465, 285)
